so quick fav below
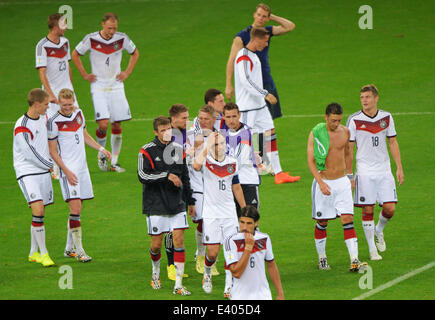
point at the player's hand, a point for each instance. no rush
(325, 188)
(400, 176)
(211, 140)
(249, 241)
(107, 154)
(271, 99)
(229, 92)
(90, 77)
(191, 210)
(52, 99)
(174, 179)
(71, 177)
(258, 159)
(122, 76)
(280, 296)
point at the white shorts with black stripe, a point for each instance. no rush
(337, 203)
(374, 188)
(259, 120)
(158, 224)
(216, 230)
(82, 190)
(111, 104)
(37, 187)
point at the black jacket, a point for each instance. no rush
(160, 196)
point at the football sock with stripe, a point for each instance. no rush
(351, 240)
(155, 261)
(38, 231)
(369, 230)
(320, 240)
(116, 143)
(382, 222)
(208, 266)
(101, 137)
(179, 259)
(76, 231)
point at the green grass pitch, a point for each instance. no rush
(184, 47)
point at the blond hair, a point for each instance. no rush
(370, 87)
(208, 109)
(263, 6)
(65, 94)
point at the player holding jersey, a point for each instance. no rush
(245, 254)
(67, 137)
(369, 129)
(107, 82)
(32, 164)
(251, 99)
(221, 185)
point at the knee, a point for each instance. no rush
(323, 223)
(103, 125)
(346, 218)
(388, 210)
(367, 213)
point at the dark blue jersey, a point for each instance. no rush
(263, 55)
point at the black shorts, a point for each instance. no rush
(250, 191)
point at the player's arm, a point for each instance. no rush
(238, 194)
(44, 80)
(395, 153)
(187, 190)
(272, 269)
(239, 267)
(313, 168)
(75, 56)
(235, 47)
(201, 155)
(54, 153)
(123, 75)
(146, 171)
(285, 25)
(23, 139)
(94, 145)
(348, 157)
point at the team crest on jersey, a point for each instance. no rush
(319, 214)
(362, 199)
(116, 46)
(383, 124)
(230, 169)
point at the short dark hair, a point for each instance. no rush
(370, 87)
(53, 20)
(176, 109)
(231, 106)
(250, 212)
(333, 108)
(211, 94)
(160, 121)
(258, 33)
(208, 109)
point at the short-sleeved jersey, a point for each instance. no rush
(70, 139)
(263, 55)
(219, 178)
(253, 284)
(239, 146)
(55, 57)
(106, 56)
(248, 81)
(369, 135)
(30, 146)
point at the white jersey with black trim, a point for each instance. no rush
(253, 284)
(248, 81)
(68, 130)
(55, 58)
(30, 146)
(105, 56)
(370, 136)
(219, 178)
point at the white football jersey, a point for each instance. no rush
(105, 56)
(218, 192)
(369, 135)
(55, 57)
(30, 146)
(248, 81)
(239, 144)
(253, 284)
(69, 134)
(195, 177)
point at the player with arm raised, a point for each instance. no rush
(245, 254)
(328, 159)
(221, 185)
(107, 83)
(32, 164)
(67, 137)
(369, 130)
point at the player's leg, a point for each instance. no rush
(230, 227)
(116, 143)
(101, 137)
(75, 207)
(38, 232)
(209, 260)
(369, 231)
(320, 236)
(155, 254)
(178, 225)
(102, 116)
(169, 248)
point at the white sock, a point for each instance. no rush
(156, 263)
(381, 223)
(274, 161)
(39, 234)
(320, 240)
(33, 242)
(179, 272)
(69, 240)
(101, 140)
(369, 231)
(228, 279)
(76, 234)
(116, 141)
(352, 247)
(199, 245)
(207, 269)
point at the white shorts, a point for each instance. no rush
(111, 104)
(216, 230)
(158, 224)
(337, 203)
(36, 188)
(376, 188)
(82, 190)
(258, 120)
(199, 197)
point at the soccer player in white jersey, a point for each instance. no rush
(107, 83)
(369, 130)
(52, 62)
(251, 100)
(245, 253)
(67, 137)
(32, 164)
(221, 185)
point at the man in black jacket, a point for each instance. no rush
(163, 172)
